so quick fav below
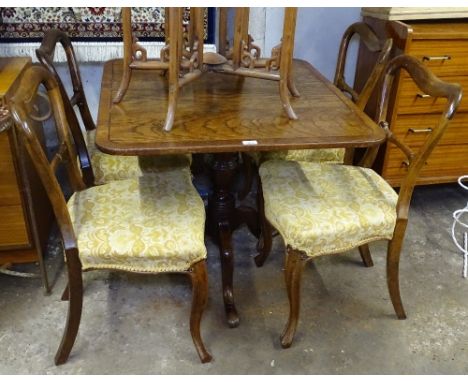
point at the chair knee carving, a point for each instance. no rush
(323, 209)
(150, 224)
(106, 167)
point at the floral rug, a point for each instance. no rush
(88, 23)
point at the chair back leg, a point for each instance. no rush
(366, 255)
(75, 297)
(266, 232)
(199, 299)
(393, 265)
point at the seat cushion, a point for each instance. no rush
(310, 155)
(107, 167)
(322, 208)
(154, 223)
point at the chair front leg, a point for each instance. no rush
(200, 296)
(393, 263)
(266, 232)
(75, 304)
(295, 262)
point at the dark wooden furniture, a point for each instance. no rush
(68, 215)
(356, 183)
(45, 55)
(25, 214)
(224, 115)
(442, 46)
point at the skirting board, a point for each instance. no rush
(86, 51)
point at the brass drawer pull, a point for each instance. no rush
(420, 131)
(422, 95)
(436, 58)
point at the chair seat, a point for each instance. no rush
(153, 223)
(322, 208)
(108, 168)
(309, 155)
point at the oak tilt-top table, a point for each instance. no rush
(225, 115)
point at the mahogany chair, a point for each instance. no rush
(150, 224)
(381, 48)
(106, 167)
(324, 209)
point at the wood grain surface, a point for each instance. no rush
(219, 112)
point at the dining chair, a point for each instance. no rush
(325, 209)
(150, 224)
(106, 167)
(370, 40)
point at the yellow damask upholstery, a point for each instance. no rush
(312, 155)
(153, 223)
(108, 168)
(322, 208)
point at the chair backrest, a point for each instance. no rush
(45, 55)
(372, 42)
(22, 104)
(427, 82)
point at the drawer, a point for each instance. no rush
(413, 101)
(9, 191)
(442, 57)
(445, 163)
(13, 231)
(413, 129)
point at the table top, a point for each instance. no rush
(220, 112)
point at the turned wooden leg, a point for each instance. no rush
(366, 256)
(124, 84)
(293, 273)
(221, 222)
(248, 169)
(266, 232)
(199, 299)
(284, 95)
(227, 269)
(75, 304)
(175, 49)
(393, 262)
(292, 86)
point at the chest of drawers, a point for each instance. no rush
(25, 212)
(442, 45)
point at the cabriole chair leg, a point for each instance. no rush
(199, 300)
(295, 263)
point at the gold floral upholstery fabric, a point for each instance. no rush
(322, 208)
(312, 155)
(108, 168)
(154, 223)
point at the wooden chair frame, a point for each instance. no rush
(45, 55)
(21, 105)
(184, 61)
(180, 52)
(430, 84)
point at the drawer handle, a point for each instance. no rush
(422, 95)
(437, 58)
(420, 131)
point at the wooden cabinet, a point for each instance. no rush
(442, 45)
(25, 212)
